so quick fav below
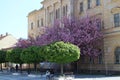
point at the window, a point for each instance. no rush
(102, 26)
(37, 23)
(42, 22)
(97, 2)
(82, 58)
(57, 13)
(100, 58)
(117, 55)
(89, 4)
(91, 59)
(117, 20)
(81, 7)
(65, 9)
(100, 61)
(32, 26)
(50, 17)
(99, 25)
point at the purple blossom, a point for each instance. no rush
(84, 33)
(24, 43)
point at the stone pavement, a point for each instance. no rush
(96, 77)
(4, 76)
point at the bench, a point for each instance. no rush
(68, 73)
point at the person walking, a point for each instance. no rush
(47, 75)
(16, 67)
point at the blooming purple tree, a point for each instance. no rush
(53, 34)
(84, 33)
(25, 43)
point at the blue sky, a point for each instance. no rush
(13, 16)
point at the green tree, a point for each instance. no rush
(13, 56)
(60, 52)
(2, 57)
(31, 55)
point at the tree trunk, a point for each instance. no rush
(1, 67)
(20, 68)
(61, 69)
(35, 67)
(28, 68)
(90, 69)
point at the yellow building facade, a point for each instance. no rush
(107, 10)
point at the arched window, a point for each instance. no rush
(117, 55)
(91, 60)
(100, 60)
(116, 16)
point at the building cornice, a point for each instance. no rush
(32, 12)
(43, 1)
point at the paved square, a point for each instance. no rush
(9, 76)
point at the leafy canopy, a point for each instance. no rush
(60, 52)
(14, 55)
(31, 55)
(2, 56)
